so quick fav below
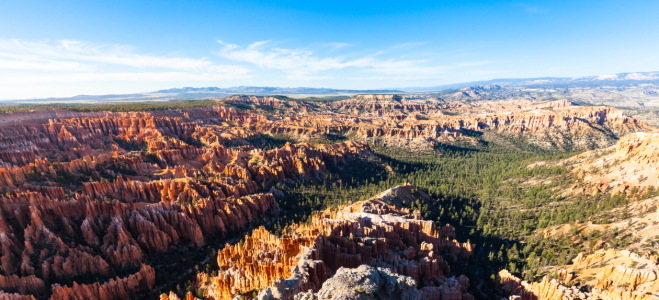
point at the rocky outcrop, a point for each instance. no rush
(616, 170)
(605, 290)
(303, 260)
(624, 276)
(382, 104)
(14, 296)
(365, 283)
(24, 285)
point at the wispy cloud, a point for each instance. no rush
(70, 60)
(337, 46)
(486, 72)
(302, 63)
(408, 45)
(115, 76)
(557, 68)
(531, 9)
(473, 63)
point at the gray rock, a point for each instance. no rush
(365, 283)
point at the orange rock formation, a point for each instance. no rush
(309, 254)
(98, 194)
(616, 169)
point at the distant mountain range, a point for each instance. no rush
(191, 93)
(620, 79)
(255, 90)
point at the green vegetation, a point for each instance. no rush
(115, 107)
(359, 180)
(311, 99)
(488, 193)
(269, 142)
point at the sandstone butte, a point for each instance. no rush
(629, 167)
(612, 280)
(78, 200)
(373, 233)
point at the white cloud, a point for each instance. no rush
(67, 68)
(83, 52)
(43, 65)
(472, 63)
(337, 46)
(408, 45)
(75, 61)
(531, 9)
(120, 76)
(396, 78)
(485, 72)
(301, 63)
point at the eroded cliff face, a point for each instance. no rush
(395, 120)
(95, 199)
(629, 167)
(605, 274)
(370, 233)
(613, 283)
(91, 202)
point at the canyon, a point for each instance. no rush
(424, 123)
(56, 226)
(128, 205)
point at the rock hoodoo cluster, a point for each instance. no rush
(93, 205)
(87, 202)
(402, 253)
(557, 124)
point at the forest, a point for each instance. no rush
(112, 107)
(488, 193)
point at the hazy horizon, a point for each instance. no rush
(68, 49)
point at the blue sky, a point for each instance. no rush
(66, 48)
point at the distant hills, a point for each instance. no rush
(620, 79)
(275, 90)
(192, 93)
(505, 84)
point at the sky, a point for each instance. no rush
(66, 48)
